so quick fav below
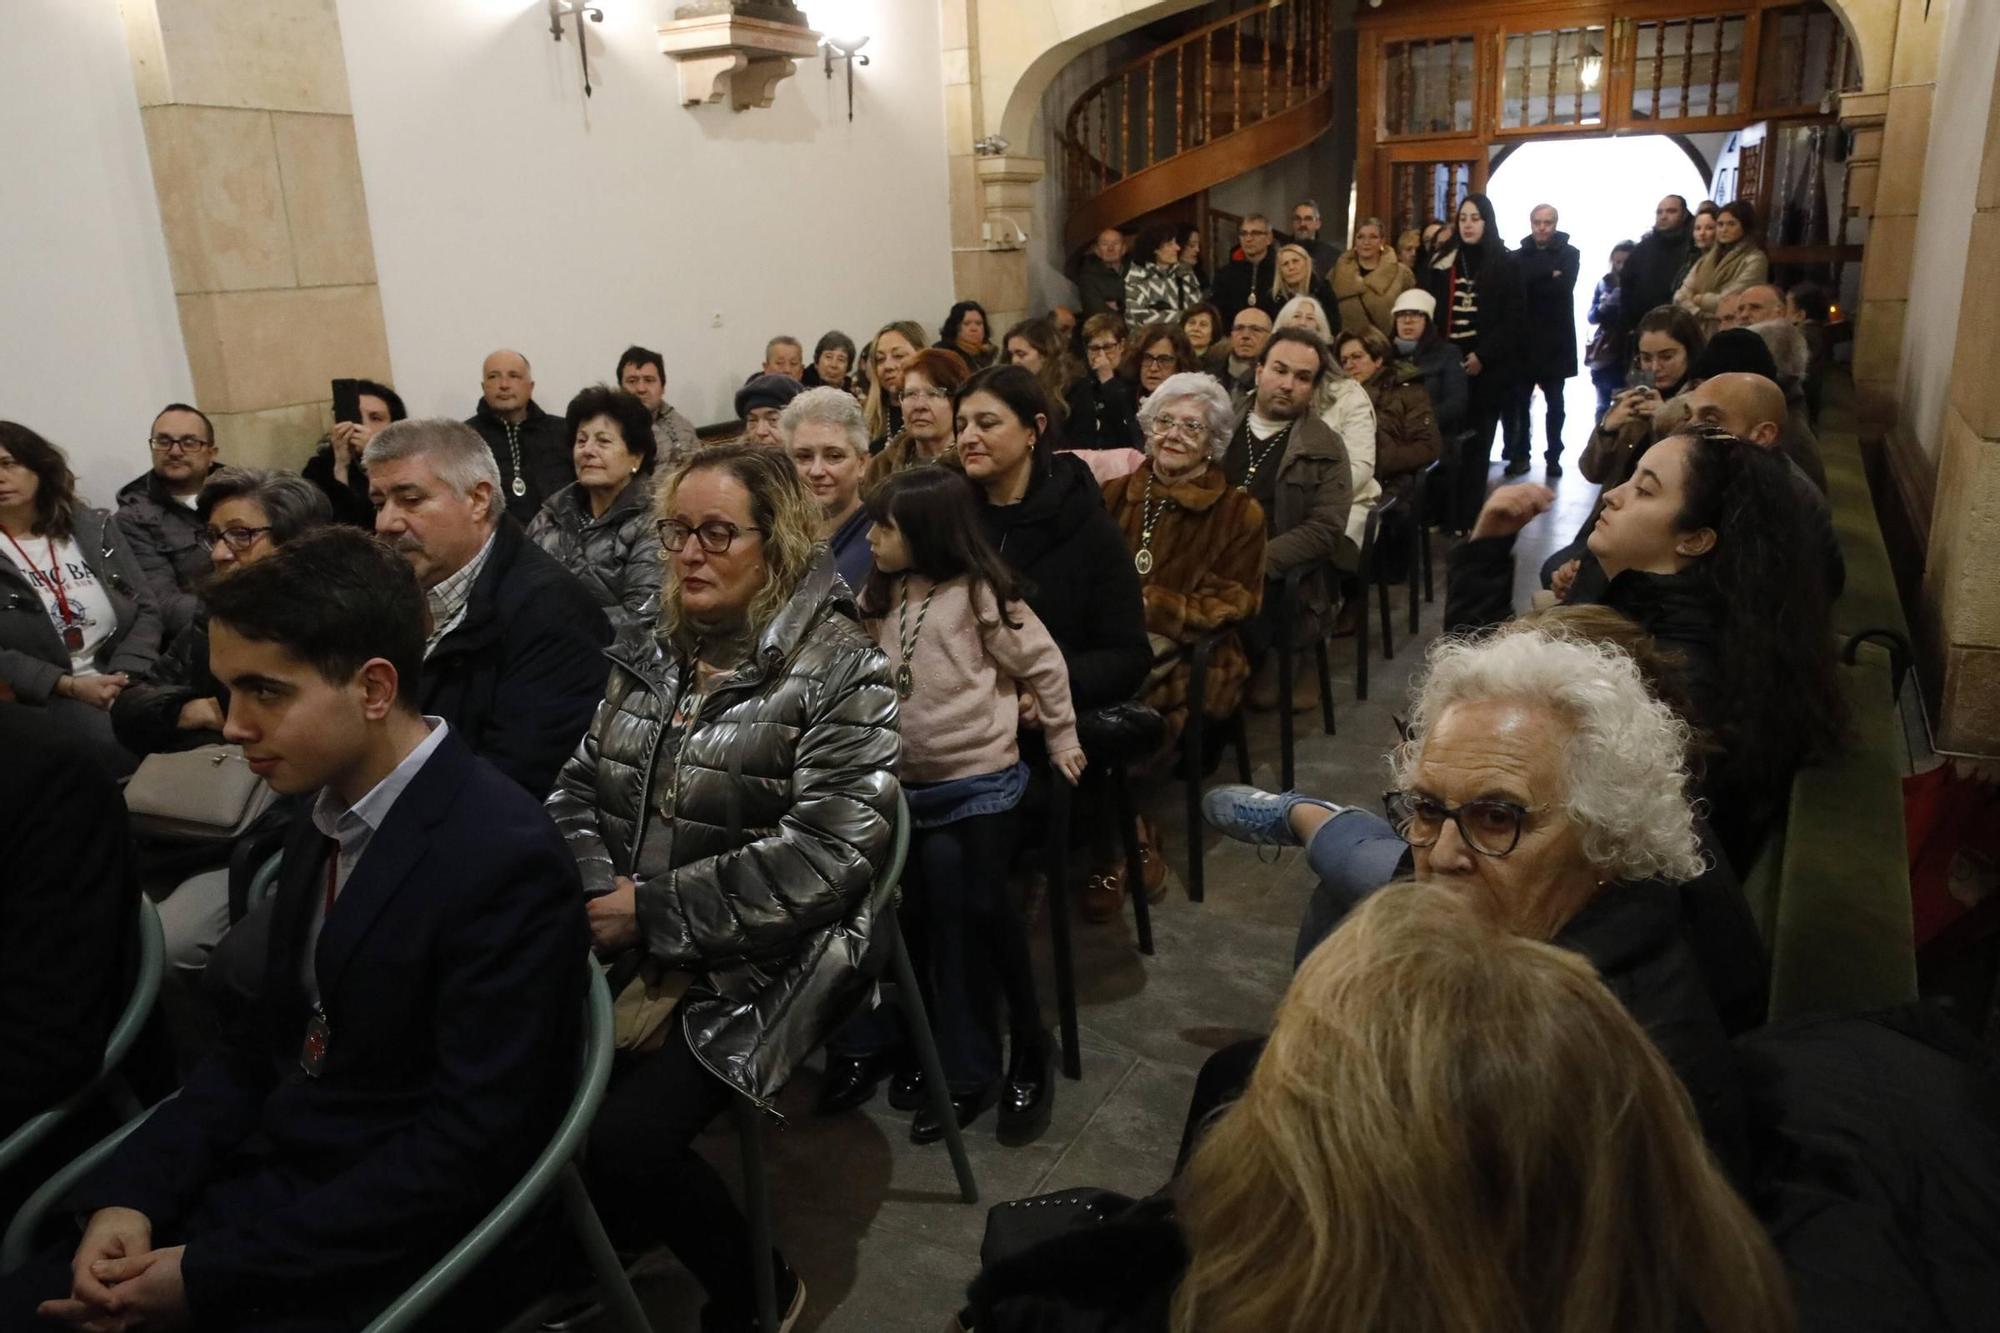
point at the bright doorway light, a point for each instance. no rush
(1603, 191)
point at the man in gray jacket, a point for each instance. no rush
(156, 513)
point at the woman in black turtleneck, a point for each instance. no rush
(1479, 303)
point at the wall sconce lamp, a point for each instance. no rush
(850, 51)
(562, 9)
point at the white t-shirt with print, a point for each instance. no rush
(89, 603)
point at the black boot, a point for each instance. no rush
(966, 1105)
(1028, 1096)
(849, 1083)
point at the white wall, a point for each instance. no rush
(90, 340)
(508, 210)
(1966, 60)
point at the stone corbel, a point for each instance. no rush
(734, 53)
(1007, 200)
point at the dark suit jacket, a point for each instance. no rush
(67, 902)
(450, 969)
(521, 675)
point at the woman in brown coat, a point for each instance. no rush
(1197, 541)
(1406, 429)
(1367, 280)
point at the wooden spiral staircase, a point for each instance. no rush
(1205, 107)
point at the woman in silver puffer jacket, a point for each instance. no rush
(600, 527)
(730, 808)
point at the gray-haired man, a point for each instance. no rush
(514, 660)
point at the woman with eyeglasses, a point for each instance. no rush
(1157, 351)
(731, 810)
(77, 622)
(928, 382)
(1198, 545)
(1103, 404)
(1544, 781)
(245, 513)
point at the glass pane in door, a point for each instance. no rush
(1552, 78)
(1688, 68)
(1428, 86)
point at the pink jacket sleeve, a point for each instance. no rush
(1030, 656)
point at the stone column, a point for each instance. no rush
(991, 201)
(1961, 593)
(1892, 129)
(251, 138)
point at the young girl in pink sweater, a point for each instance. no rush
(962, 645)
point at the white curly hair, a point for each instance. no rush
(1207, 393)
(1625, 762)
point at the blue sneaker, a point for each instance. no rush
(1253, 815)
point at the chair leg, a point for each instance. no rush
(614, 1288)
(1410, 565)
(757, 1197)
(1135, 867)
(1424, 545)
(1239, 736)
(1382, 605)
(919, 1024)
(1065, 965)
(1361, 637)
(1194, 743)
(1287, 732)
(1325, 687)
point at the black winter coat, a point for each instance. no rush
(146, 715)
(1103, 414)
(164, 537)
(1085, 590)
(1241, 283)
(349, 498)
(1548, 280)
(1445, 382)
(1500, 331)
(1651, 273)
(1877, 1141)
(1632, 933)
(544, 452)
(519, 677)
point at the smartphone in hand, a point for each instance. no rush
(347, 401)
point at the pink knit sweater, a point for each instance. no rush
(961, 717)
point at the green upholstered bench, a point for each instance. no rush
(1831, 890)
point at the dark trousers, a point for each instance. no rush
(1607, 380)
(1475, 455)
(1519, 444)
(651, 1186)
(969, 948)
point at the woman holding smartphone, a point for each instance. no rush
(1670, 341)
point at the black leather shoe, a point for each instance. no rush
(906, 1090)
(1517, 468)
(849, 1083)
(1028, 1096)
(1554, 469)
(925, 1127)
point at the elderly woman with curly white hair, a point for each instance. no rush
(1544, 781)
(1197, 542)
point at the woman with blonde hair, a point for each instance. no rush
(1293, 275)
(1458, 1130)
(893, 346)
(1453, 1129)
(1367, 279)
(730, 811)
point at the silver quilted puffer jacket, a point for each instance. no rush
(783, 792)
(616, 556)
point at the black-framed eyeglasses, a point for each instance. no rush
(166, 444)
(715, 538)
(1491, 828)
(239, 538)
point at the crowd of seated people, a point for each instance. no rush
(672, 695)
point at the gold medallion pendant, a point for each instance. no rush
(906, 681)
(1143, 561)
